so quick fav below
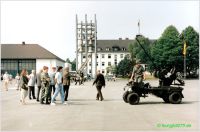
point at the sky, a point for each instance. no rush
(51, 24)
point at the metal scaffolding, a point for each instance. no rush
(86, 41)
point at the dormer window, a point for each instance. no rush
(99, 49)
(123, 49)
(107, 49)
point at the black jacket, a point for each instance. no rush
(99, 81)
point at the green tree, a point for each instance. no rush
(191, 37)
(137, 52)
(167, 50)
(73, 63)
(124, 67)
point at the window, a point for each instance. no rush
(107, 49)
(128, 56)
(90, 71)
(115, 62)
(83, 56)
(115, 56)
(103, 56)
(123, 49)
(121, 56)
(103, 63)
(97, 56)
(98, 49)
(109, 63)
(97, 63)
(90, 64)
(103, 71)
(109, 56)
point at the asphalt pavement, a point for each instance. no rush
(85, 113)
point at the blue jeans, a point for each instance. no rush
(59, 89)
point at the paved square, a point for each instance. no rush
(112, 114)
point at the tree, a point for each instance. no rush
(73, 63)
(191, 37)
(111, 69)
(137, 52)
(167, 50)
(124, 67)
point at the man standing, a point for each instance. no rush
(6, 79)
(138, 73)
(45, 85)
(59, 87)
(52, 82)
(31, 84)
(38, 81)
(66, 81)
(99, 81)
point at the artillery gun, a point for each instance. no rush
(169, 88)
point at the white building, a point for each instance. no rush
(109, 53)
(15, 57)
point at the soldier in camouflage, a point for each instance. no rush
(138, 73)
(45, 79)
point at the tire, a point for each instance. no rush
(133, 98)
(125, 95)
(175, 98)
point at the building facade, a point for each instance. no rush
(15, 57)
(109, 54)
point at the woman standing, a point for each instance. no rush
(31, 84)
(23, 86)
(66, 82)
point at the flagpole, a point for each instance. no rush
(184, 53)
(139, 27)
(185, 66)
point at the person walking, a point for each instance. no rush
(31, 84)
(6, 79)
(99, 81)
(52, 82)
(59, 87)
(17, 81)
(45, 79)
(66, 81)
(23, 86)
(38, 81)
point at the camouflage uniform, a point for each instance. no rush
(138, 73)
(45, 79)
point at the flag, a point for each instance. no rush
(184, 48)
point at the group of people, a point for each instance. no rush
(58, 81)
(49, 85)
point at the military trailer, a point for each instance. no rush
(169, 89)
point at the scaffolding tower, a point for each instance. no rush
(86, 42)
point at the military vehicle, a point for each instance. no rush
(169, 90)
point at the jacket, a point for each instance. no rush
(100, 80)
(32, 80)
(66, 78)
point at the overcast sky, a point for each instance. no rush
(51, 24)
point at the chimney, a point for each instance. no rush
(120, 38)
(23, 43)
(127, 38)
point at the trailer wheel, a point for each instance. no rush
(133, 98)
(125, 95)
(175, 98)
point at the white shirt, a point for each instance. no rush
(58, 77)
